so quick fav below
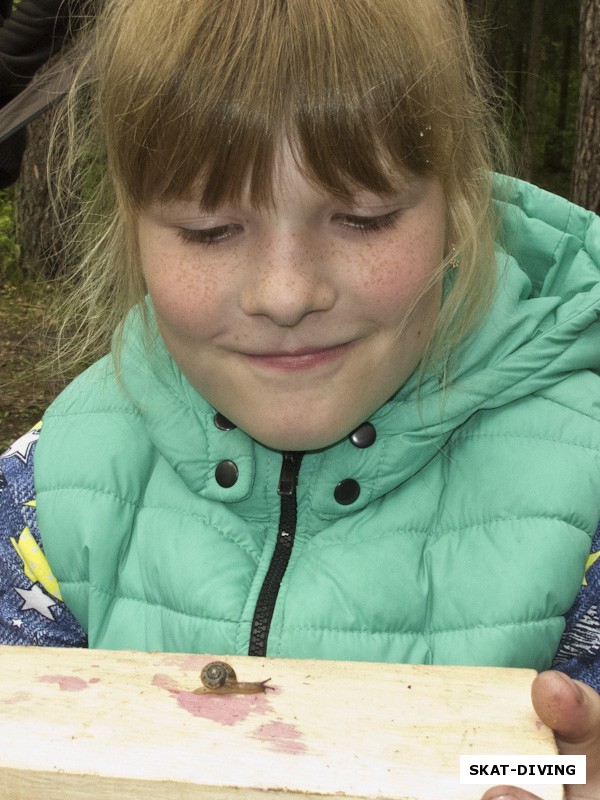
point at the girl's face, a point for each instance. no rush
(292, 322)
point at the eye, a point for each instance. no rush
(364, 224)
(208, 236)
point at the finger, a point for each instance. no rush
(572, 710)
(509, 793)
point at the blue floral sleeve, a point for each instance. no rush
(31, 607)
(579, 651)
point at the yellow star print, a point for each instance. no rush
(37, 568)
(590, 563)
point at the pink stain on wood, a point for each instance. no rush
(225, 709)
(166, 682)
(185, 661)
(66, 683)
(282, 737)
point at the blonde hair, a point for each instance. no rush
(168, 92)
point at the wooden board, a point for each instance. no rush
(98, 725)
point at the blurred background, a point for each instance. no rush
(544, 59)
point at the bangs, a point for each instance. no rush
(346, 83)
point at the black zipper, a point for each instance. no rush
(265, 605)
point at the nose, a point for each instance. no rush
(291, 277)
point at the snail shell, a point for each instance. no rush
(220, 678)
(217, 674)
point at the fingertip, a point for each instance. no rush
(554, 687)
(570, 707)
(508, 793)
(500, 797)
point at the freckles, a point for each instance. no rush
(396, 272)
(388, 280)
(178, 284)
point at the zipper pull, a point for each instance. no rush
(288, 476)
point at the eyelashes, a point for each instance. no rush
(207, 236)
(368, 224)
(222, 233)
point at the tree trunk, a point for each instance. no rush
(517, 67)
(565, 78)
(554, 150)
(586, 169)
(35, 223)
(533, 71)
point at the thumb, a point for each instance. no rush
(572, 710)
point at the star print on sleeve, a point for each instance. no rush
(36, 567)
(31, 607)
(23, 446)
(590, 563)
(36, 600)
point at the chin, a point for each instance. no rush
(302, 424)
(297, 440)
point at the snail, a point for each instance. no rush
(220, 678)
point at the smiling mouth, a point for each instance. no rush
(303, 359)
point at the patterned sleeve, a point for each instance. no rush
(579, 650)
(31, 607)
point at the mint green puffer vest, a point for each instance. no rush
(458, 535)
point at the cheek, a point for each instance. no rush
(395, 279)
(186, 296)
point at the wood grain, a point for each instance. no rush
(83, 724)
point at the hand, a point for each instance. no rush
(572, 710)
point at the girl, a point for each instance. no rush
(351, 407)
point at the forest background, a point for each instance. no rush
(544, 57)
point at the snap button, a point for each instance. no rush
(222, 423)
(346, 492)
(363, 436)
(226, 474)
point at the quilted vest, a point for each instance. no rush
(448, 530)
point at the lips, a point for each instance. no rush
(301, 359)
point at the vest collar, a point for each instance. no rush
(206, 452)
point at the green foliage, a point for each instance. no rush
(9, 251)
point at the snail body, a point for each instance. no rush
(218, 677)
